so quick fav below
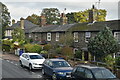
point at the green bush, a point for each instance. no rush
(34, 48)
(109, 60)
(117, 60)
(6, 45)
(78, 54)
(47, 47)
(58, 50)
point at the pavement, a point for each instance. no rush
(8, 56)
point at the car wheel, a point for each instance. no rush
(30, 66)
(21, 64)
(43, 71)
(54, 76)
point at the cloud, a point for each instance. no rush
(24, 9)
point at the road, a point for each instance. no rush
(12, 70)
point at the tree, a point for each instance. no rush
(18, 35)
(67, 39)
(103, 44)
(52, 15)
(34, 19)
(71, 18)
(83, 16)
(5, 17)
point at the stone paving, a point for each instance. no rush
(9, 56)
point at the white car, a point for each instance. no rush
(31, 60)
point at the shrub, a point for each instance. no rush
(33, 48)
(78, 54)
(67, 51)
(47, 47)
(117, 60)
(58, 50)
(109, 60)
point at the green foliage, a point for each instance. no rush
(83, 16)
(109, 60)
(34, 48)
(71, 18)
(78, 54)
(4, 17)
(18, 34)
(47, 47)
(34, 19)
(7, 45)
(67, 39)
(103, 44)
(52, 15)
(58, 50)
(117, 61)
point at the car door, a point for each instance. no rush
(26, 60)
(23, 59)
(88, 75)
(46, 66)
(79, 74)
(50, 68)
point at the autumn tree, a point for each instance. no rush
(103, 44)
(52, 15)
(83, 16)
(34, 19)
(4, 17)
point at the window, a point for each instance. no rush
(80, 72)
(57, 36)
(88, 74)
(87, 36)
(48, 36)
(75, 36)
(117, 36)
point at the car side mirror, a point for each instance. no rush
(27, 58)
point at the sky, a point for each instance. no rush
(24, 8)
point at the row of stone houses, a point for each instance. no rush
(81, 32)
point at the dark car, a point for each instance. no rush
(57, 69)
(87, 72)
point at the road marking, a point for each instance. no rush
(33, 73)
(39, 76)
(7, 60)
(11, 62)
(16, 64)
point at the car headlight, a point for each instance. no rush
(61, 73)
(35, 64)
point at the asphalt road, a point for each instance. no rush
(12, 70)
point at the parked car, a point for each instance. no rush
(57, 69)
(31, 60)
(87, 72)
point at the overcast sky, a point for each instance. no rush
(24, 8)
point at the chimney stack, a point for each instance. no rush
(91, 14)
(13, 21)
(22, 23)
(63, 19)
(43, 20)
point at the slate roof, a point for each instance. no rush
(53, 28)
(97, 26)
(28, 26)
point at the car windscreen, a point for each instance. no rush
(36, 57)
(57, 64)
(103, 73)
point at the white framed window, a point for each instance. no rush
(57, 36)
(48, 36)
(87, 36)
(75, 36)
(117, 36)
